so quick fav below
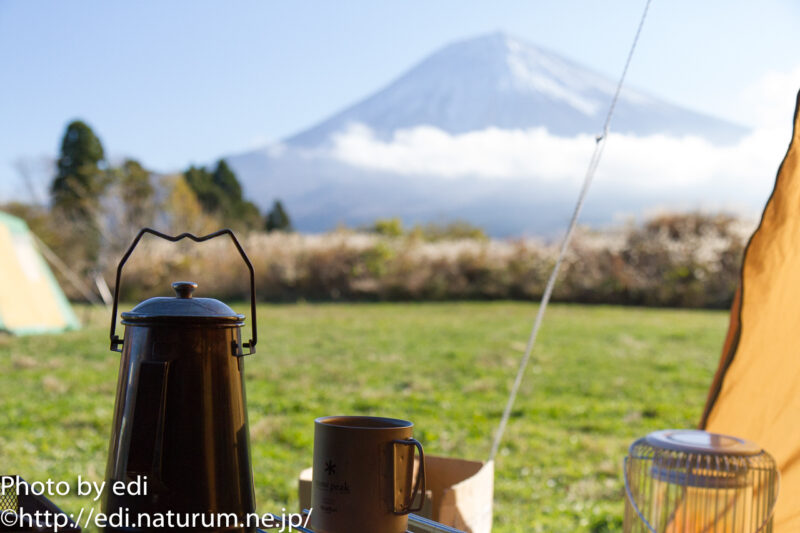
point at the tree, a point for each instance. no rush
(182, 210)
(249, 217)
(277, 218)
(202, 183)
(80, 180)
(220, 194)
(226, 180)
(137, 193)
(76, 192)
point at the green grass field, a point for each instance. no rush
(599, 378)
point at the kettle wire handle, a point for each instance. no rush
(116, 342)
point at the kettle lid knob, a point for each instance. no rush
(184, 289)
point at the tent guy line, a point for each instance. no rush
(600, 142)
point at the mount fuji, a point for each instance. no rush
(491, 130)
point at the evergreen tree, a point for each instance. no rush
(249, 217)
(79, 182)
(76, 192)
(278, 218)
(202, 183)
(220, 194)
(226, 180)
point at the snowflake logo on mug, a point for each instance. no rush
(330, 467)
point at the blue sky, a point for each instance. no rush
(172, 83)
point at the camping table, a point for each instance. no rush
(420, 523)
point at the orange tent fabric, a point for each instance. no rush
(756, 391)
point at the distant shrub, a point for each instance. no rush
(391, 227)
(449, 231)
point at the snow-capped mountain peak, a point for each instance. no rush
(489, 129)
(497, 80)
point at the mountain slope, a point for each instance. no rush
(499, 81)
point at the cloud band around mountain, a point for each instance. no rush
(646, 163)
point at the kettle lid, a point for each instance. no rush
(182, 307)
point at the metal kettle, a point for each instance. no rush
(180, 417)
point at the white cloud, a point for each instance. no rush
(490, 153)
(647, 163)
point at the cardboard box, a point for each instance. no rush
(459, 494)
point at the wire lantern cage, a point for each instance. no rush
(692, 481)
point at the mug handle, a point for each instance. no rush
(407, 506)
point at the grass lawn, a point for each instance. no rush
(599, 378)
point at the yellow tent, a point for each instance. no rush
(756, 391)
(31, 300)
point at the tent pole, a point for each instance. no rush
(65, 271)
(600, 142)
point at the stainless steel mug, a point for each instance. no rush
(180, 418)
(363, 475)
